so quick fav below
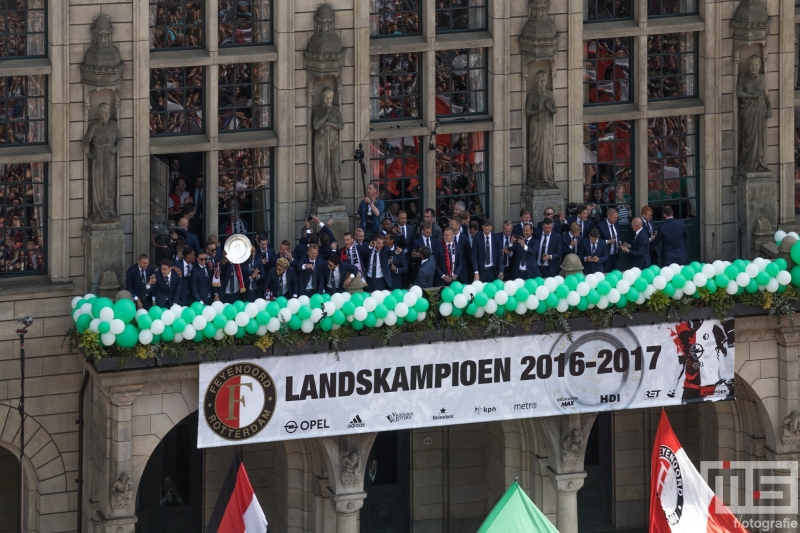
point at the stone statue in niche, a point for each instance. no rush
(571, 447)
(351, 468)
(540, 108)
(327, 121)
(122, 492)
(791, 428)
(755, 110)
(101, 143)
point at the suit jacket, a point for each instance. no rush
(460, 270)
(192, 240)
(640, 250)
(201, 288)
(164, 294)
(531, 268)
(558, 227)
(508, 260)
(671, 233)
(134, 284)
(553, 250)
(271, 283)
(587, 226)
(304, 274)
(326, 230)
(401, 264)
(601, 251)
(383, 259)
(426, 273)
(272, 259)
(517, 229)
(437, 254)
(247, 270)
(479, 253)
(605, 234)
(196, 227)
(650, 228)
(184, 296)
(345, 271)
(463, 242)
(566, 241)
(406, 242)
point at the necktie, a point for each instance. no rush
(313, 277)
(404, 232)
(332, 284)
(374, 263)
(522, 258)
(167, 279)
(505, 256)
(143, 278)
(544, 248)
(594, 247)
(613, 235)
(280, 285)
(450, 258)
(581, 223)
(488, 252)
(428, 244)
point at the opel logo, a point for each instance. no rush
(290, 427)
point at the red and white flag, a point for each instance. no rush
(680, 499)
(237, 509)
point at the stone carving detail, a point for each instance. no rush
(571, 447)
(351, 468)
(791, 428)
(122, 492)
(157, 387)
(540, 108)
(539, 39)
(325, 54)
(571, 265)
(328, 122)
(755, 109)
(102, 66)
(755, 335)
(101, 143)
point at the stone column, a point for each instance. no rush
(345, 459)
(566, 444)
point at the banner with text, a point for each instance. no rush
(304, 396)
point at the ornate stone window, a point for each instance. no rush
(245, 100)
(665, 8)
(605, 10)
(245, 192)
(672, 165)
(176, 24)
(395, 167)
(23, 110)
(461, 81)
(395, 86)
(22, 28)
(176, 100)
(671, 66)
(243, 22)
(461, 163)
(22, 219)
(460, 15)
(607, 70)
(607, 166)
(394, 17)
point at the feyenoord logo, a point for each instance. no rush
(670, 485)
(239, 401)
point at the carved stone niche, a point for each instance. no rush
(539, 39)
(101, 68)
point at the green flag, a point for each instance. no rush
(516, 513)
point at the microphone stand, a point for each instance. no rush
(21, 330)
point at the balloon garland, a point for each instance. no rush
(121, 324)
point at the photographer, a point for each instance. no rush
(369, 211)
(166, 240)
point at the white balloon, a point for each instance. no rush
(719, 267)
(117, 326)
(582, 289)
(667, 273)
(360, 313)
(410, 300)
(490, 307)
(209, 313)
(629, 276)
(648, 291)
(379, 322)
(600, 276)
(709, 271)
(199, 323)
(293, 305)
(157, 327)
(284, 315)
(178, 338)
(510, 288)
(75, 302)
(699, 280)
(761, 263)
(779, 235)
(378, 296)
(261, 303)
(107, 314)
(86, 309)
(241, 319)
(261, 331)
(391, 318)
(732, 287)
(783, 277)
(401, 310)
(592, 281)
(316, 315)
(370, 304)
(602, 303)
(219, 335)
(751, 270)
(659, 283)
(338, 300)
(230, 327)
(551, 284)
(95, 323)
(140, 312)
(347, 296)
(460, 301)
(329, 308)
(532, 302)
(573, 298)
(145, 336)
(416, 291)
(676, 268)
(218, 307)
(520, 282)
(678, 294)
(189, 332)
(107, 338)
(613, 296)
(273, 325)
(542, 292)
(793, 234)
(468, 291)
(640, 300)
(689, 288)
(742, 279)
(773, 285)
(623, 286)
(636, 272)
(562, 306)
(176, 309)
(478, 314)
(167, 317)
(559, 280)
(477, 285)
(501, 297)
(304, 300)
(307, 326)
(251, 310)
(521, 308)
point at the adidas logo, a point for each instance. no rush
(356, 423)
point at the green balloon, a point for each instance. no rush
(731, 272)
(411, 316)
(239, 305)
(371, 320)
(156, 339)
(623, 301)
(472, 309)
(390, 302)
(79, 303)
(305, 311)
(316, 301)
(229, 311)
(381, 310)
(457, 286)
(511, 304)
(678, 281)
(273, 308)
(481, 299)
(83, 322)
(348, 308)
(640, 284)
(422, 304)
(124, 310)
(739, 265)
(571, 282)
(647, 276)
(722, 280)
(562, 291)
(688, 272)
(603, 287)
(669, 290)
(357, 298)
(129, 336)
(210, 330)
(489, 290)
(448, 294)
(188, 315)
(593, 297)
(103, 327)
(179, 325)
(220, 321)
(711, 286)
(772, 269)
(795, 272)
(583, 305)
(522, 294)
(251, 327)
(197, 307)
(100, 304)
(295, 322)
(781, 288)
(144, 321)
(155, 312)
(781, 262)
(762, 278)
(240, 333)
(552, 300)
(326, 297)
(326, 324)
(530, 285)
(168, 334)
(401, 320)
(499, 284)
(357, 325)
(501, 310)
(262, 317)
(339, 318)
(752, 287)
(542, 309)
(795, 252)
(198, 336)
(632, 294)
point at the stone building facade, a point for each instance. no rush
(610, 136)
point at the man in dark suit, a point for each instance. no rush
(231, 279)
(609, 232)
(265, 254)
(405, 232)
(524, 216)
(559, 225)
(582, 219)
(351, 253)
(639, 250)
(426, 240)
(525, 248)
(548, 257)
(462, 238)
(139, 282)
(339, 275)
(650, 229)
(311, 275)
(507, 241)
(254, 276)
(322, 228)
(454, 267)
(168, 285)
(593, 253)
(281, 280)
(376, 263)
(200, 281)
(571, 240)
(427, 269)
(398, 266)
(183, 268)
(487, 255)
(671, 234)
